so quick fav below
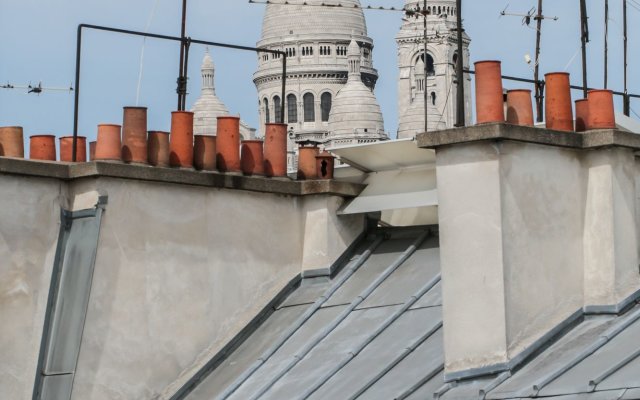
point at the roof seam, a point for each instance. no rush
(337, 321)
(298, 324)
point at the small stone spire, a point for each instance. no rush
(208, 74)
(420, 75)
(354, 58)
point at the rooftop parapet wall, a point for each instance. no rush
(185, 260)
(536, 226)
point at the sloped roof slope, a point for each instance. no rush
(371, 332)
(374, 331)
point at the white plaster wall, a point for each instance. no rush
(611, 242)
(543, 211)
(471, 242)
(29, 227)
(181, 270)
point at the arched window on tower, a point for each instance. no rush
(267, 117)
(277, 108)
(292, 108)
(325, 105)
(433, 98)
(309, 107)
(431, 67)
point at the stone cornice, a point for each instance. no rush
(94, 170)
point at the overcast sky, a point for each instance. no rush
(38, 40)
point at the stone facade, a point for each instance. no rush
(441, 85)
(209, 107)
(316, 40)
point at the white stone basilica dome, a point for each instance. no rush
(313, 21)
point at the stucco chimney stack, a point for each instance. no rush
(489, 94)
(11, 142)
(537, 229)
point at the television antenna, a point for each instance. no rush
(36, 89)
(535, 14)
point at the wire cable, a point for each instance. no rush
(144, 42)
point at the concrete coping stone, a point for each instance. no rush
(502, 131)
(98, 169)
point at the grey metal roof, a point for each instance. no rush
(374, 331)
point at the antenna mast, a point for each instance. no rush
(626, 101)
(539, 84)
(606, 43)
(460, 120)
(584, 28)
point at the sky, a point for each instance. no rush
(38, 42)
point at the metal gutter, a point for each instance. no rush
(299, 322)
(338, 320)
(385, 324)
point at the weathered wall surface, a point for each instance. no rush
(180, 270)
(530, 234)
(29, 227)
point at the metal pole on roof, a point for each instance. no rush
(182, 74)
(626, 101)
(606, 43)
(460, 116)
(584, 30)
(426, 68)
(536, 75)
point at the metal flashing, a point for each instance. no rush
(68, 302)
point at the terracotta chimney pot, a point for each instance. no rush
(325, 165)
(519, 107)
(228, 144)
(252, 157)
(275, 150)
(582, 113)
(558, 107)
(11, 142)
(601, 112)
(489, 94)
(158, 149)
(42, 147)
(181, 140)
(66, 149)
(307, 162)
(134, 135)
(92, 151)
(204, 153)
(109, 146)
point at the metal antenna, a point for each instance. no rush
(526, 20)
(37, 89)
(606, 44)
(627, 100)
(584, 37)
